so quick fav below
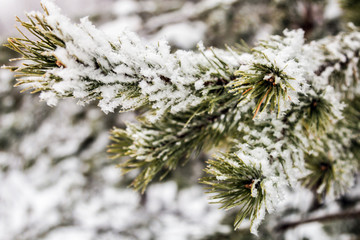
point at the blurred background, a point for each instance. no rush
(56, 180)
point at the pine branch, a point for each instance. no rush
(244, 181)
(159, 147)
(283, 145)
(333, 159)
(339, 64)
(319, 110)
(124, 73)
(202, 99)
(79, 61)
(68, 60)
(270, 79)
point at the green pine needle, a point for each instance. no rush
(266, 84)
(232, 184)
(317, 116)
(321, 176)
(35, 53)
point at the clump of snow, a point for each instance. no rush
(125, 7)
(185, 35)
(5, 80)
(332, 10)
(50, 98)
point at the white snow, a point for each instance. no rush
(184, 35)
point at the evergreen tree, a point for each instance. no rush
(282, 114)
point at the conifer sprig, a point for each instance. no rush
(274, 75)
(317, 113)
(36, 53)
(249, 184)
(266, 84)
(330, 175)
(157, 148)
(234, 184)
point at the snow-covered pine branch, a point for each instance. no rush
(123, 73)
(279, 108)
(77, 60)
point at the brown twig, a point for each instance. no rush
(326, 218)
